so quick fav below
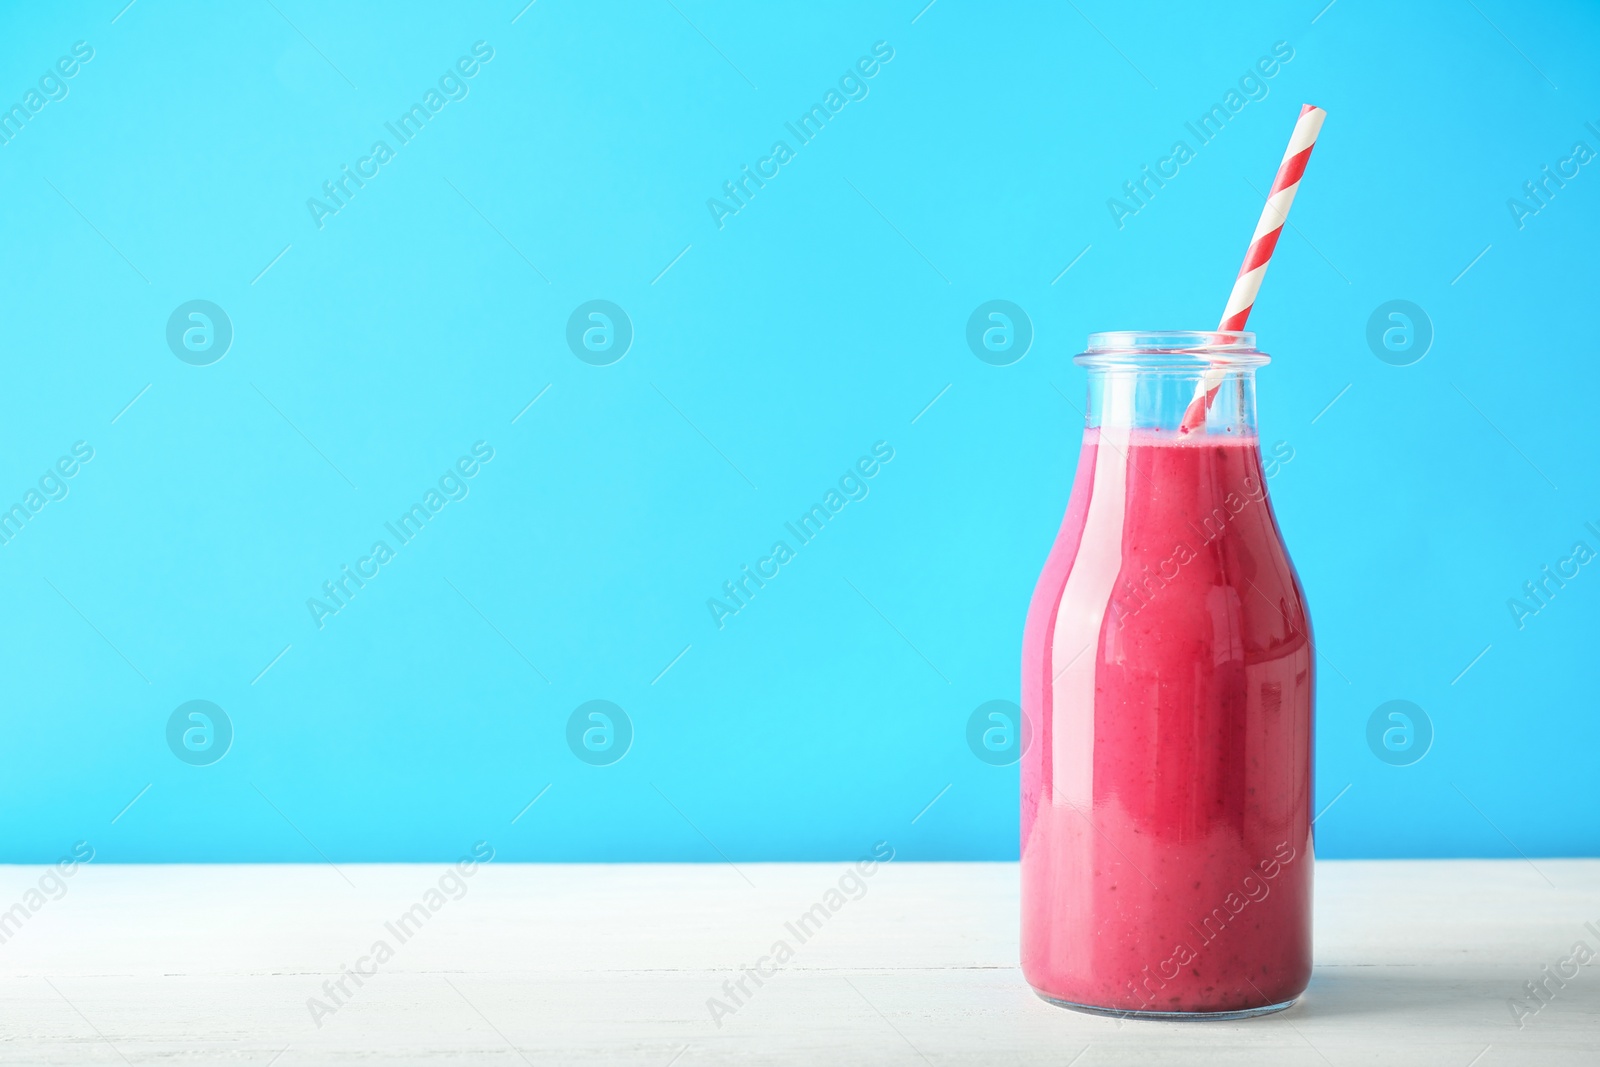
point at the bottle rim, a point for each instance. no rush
(1189, 350)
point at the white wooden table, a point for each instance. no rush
(1415, 965)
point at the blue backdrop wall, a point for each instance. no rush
(283, 281)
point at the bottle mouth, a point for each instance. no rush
(1179, 350)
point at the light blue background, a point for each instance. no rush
(822, 318)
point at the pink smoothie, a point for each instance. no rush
(1166, 797)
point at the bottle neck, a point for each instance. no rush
(1124, 399)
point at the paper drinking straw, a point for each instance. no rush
(1259, 255)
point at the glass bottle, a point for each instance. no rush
(1168, 679)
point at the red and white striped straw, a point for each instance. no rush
(1259, 255)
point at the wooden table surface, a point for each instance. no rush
(1417, 963)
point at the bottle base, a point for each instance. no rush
(1170, 1016)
